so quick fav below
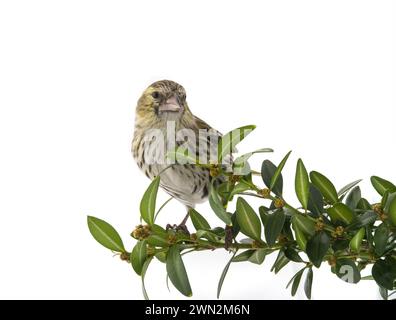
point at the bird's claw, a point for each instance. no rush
(170, 227)
(181, 227)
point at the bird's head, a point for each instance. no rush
(163, 100)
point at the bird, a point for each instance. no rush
(162, 108)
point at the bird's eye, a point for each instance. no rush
(155, 95)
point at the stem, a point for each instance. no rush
(206, 245)
(251, 185)
(326, 227)
(163, 205)
(251, 194)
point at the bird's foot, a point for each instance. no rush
(170, 227)
(181, 227)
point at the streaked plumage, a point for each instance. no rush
(161, 102)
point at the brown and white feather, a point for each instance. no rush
(188, 183)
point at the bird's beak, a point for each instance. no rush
(170, 105)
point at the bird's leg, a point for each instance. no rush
(183, 223)
(182, 226)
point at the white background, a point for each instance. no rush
(314, 76)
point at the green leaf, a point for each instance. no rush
(217, 206)
(245, 157)
(258, 256)
(235, 225)
(369, 237)
(143, 276)
(296, 281)
(177, 272)
(241, 165)
(239, 188)
(156, 229)
(268, 169)
(340, 245)
(389, 199)
(139, 256)
(384, 199)
(300, 238)
(201, 225)
(158, 236)
(229, 141)
(223, 275)
(392, 211)
(347, 271)
(158, 240)
(340, 212)
(317, 247)
(384, 272)
(292, 255)
(263, 216)
(353, 198)
(218, 231)
(161, 256)
(105, 234)
(280, 262)
(363, 204)
(224, 189)
(274, 226)
(348, 187)
(302, 184)
(249, 177)
(381, 239)
(287, 231)
(356, 241)
(244, 256)
(325, 186)
(362, 220)
(304, 224)
(315, 203)
(206, 234)
(147, 205)
(212, 234)
(247, 220)
(198, 221)
(382, 185)
(278, 171)
(308, 283)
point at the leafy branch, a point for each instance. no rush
(341, 228)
